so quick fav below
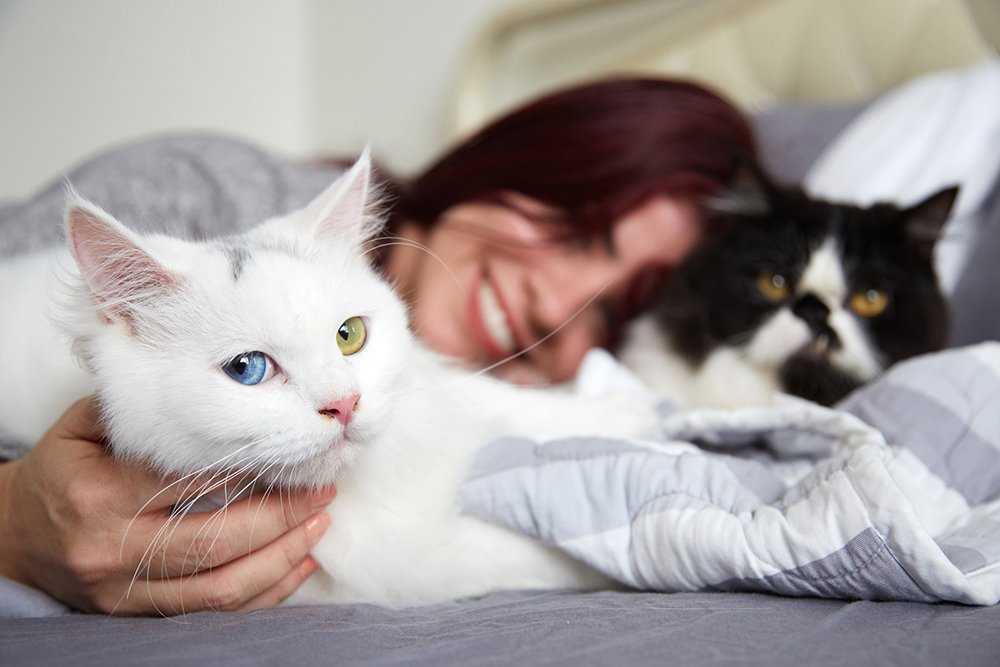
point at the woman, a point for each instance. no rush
(567, 211)
(529, 243)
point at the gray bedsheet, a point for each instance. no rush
(530, 629)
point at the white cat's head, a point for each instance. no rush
(275, 352)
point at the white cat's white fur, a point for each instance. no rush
(154, 319)
(736, 376)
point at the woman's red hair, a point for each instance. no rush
(592, 152)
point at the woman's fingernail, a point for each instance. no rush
(316, 525)
(308, 566)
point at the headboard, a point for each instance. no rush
(758, 52)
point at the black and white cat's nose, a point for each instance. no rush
(811, 310)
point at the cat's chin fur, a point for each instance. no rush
(714, 337)
(153, 320)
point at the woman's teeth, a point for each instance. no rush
(494, 318)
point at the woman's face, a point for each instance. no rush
(493, 282)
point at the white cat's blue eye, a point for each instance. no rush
(249, 368)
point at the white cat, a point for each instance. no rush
(280, 352)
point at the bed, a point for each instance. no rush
(826, 63)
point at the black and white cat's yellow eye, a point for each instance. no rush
(773, 286)
(869, 303)
(351, 336)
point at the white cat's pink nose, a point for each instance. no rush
(342, 409)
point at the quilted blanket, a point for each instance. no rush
(894, 495)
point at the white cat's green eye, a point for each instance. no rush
(869, 303)
(773, 286)
(351, 336)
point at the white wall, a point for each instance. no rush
(306, 77)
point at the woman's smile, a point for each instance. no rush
(495, 283)
(490, 321)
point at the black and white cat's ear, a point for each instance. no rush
(342, 212)
(118, 271)
(748, 193)
(924, 220)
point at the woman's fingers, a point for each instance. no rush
(269, 573)
(284, 588)
(183, 545)
(98, 532)
(82, 421)
(162, 546)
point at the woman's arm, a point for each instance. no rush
(96, 532)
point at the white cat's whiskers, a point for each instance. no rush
(543, 339)
(267, 494)
(161, 539)
(529, 348)
(191, 477)
(244, 487)
(409, 243)
(164, 535)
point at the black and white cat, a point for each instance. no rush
(281, 354)
(793, 294)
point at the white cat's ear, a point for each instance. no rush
(342, 212)
(118, 271)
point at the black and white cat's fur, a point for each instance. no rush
(793, 294)
(172, 332)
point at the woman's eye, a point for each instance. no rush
(249, 368)
(351, 336)
(773, 286)
(869, 303)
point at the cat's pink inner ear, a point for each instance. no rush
(119, 272)
(340, 213)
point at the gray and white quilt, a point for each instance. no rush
(894, 495)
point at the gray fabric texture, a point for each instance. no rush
(873, 511)
(975, 303)
(790, 138)
(20, 601)
(555, 628)
(945, 412)
(192, 186)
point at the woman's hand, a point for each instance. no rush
(78, 524)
